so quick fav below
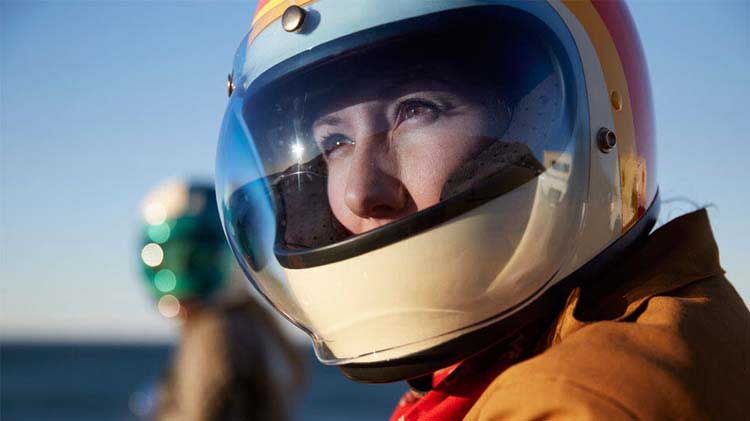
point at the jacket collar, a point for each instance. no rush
(679, 253)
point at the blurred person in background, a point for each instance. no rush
(232, 362)
(461, 195)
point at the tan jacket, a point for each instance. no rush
(672, 342)
(228, 367)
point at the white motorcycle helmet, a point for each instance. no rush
(403, 179)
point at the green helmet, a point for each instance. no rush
(183, 251)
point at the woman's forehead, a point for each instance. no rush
(389, 88)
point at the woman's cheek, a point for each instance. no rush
(423, 182)
(428, 161)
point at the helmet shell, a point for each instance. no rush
(612, 192)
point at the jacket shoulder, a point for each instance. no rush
(682, 355)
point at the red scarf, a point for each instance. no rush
(455, 389)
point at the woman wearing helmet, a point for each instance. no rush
(459, 194)
(229, 345)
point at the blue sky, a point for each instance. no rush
(102, 100)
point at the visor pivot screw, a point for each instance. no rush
(606, 139)
(230, 85)
(293, 18)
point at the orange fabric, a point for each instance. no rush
(672, 341)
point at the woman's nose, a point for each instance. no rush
(371, 190)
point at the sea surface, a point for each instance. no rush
(86, 382)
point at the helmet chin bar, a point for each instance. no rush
(547, 305)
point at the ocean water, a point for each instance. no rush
(84, 382)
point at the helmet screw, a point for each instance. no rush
(230, 85)
(606, 139)
(293, 18)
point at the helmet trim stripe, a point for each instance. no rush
(632, 164)
(625, 36)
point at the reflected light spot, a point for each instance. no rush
(159, 233)
(297, 150)
(165, 281)
(152, 254)
(168, 306)
(155, 213)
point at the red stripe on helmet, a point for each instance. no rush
(261, 3)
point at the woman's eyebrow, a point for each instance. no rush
(330, 120)
(396, 88)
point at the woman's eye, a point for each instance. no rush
(417, 109)
(333, 142)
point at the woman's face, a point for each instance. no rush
(389, 152)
